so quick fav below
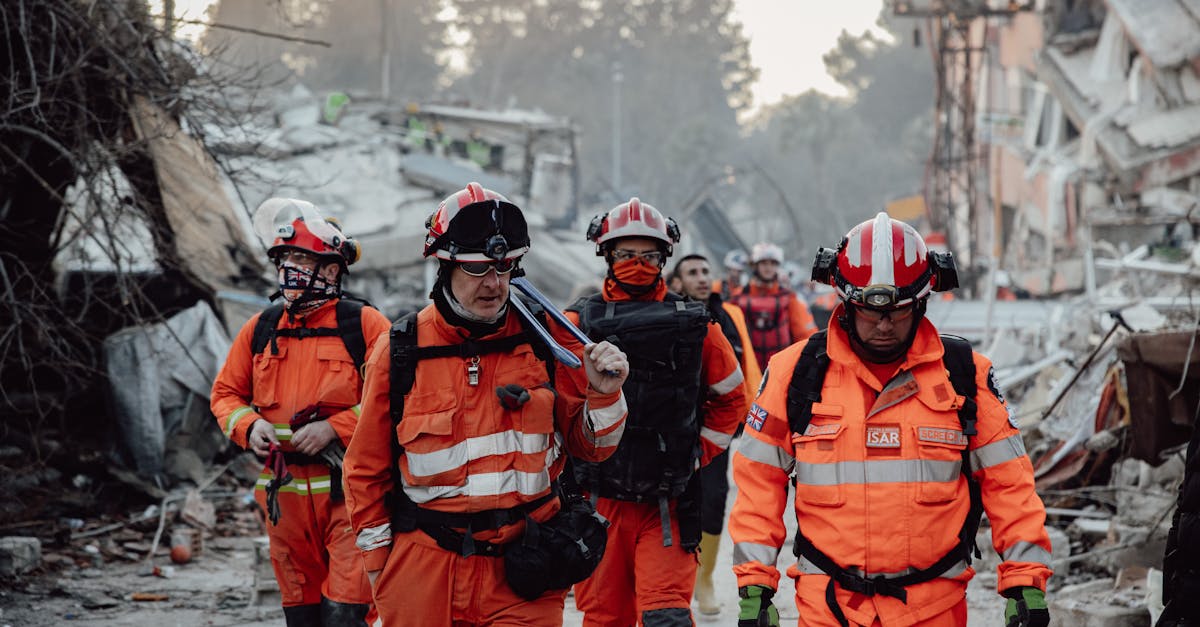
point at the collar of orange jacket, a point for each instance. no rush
(613, 292)
(449, 333)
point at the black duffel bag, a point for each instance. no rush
(558, 553)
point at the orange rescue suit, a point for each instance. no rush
(639, 577)
(464, 452)
(879, 486)
(312, 549)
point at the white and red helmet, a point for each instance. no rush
(476, 224)
(884, 263)
(766, 251)
(633, 219)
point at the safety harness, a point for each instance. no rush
(804, 390)
(349, 328)
(407, 515)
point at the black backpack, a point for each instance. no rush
(349, 328)
(805, 389)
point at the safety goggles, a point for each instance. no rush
(895, 314)
(653, 257)
(481, 268)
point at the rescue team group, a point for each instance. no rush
(470, 463)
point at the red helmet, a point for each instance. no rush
(633, 219)
(476, 224)
(310, 232)
(883, 263)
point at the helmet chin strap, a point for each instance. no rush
(846, 320)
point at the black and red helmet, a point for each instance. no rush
(476, 224)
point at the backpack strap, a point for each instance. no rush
(402, 375)
(807, 379)
(264, 330)
(349, 325)
(959, 359)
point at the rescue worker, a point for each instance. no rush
(289, 390)
(679, 360)
(461, 444)
(735, 266)
(892, 463)
(776, 316)
(1181, 563)
(694, 275)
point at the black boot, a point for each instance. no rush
(335, 614)
(303, 615)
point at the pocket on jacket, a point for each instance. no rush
(340, 382)
(432, 457)
(818, 475)
(940, 449)
(264, 384)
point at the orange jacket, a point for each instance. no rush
(878, 481)
(726, 400)
(305, 372)
(463, 452)
(750, 369)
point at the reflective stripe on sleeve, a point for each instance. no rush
(764, 453)
(604, 418)
(882, 471)
(485, 484)
(357, 409)
(373, 538)
(728, 384)
(1027, 552)
(503, 443)
(750, 552)
(998, 452)
(234, 417)
(721, 440)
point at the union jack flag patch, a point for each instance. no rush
(756, 417)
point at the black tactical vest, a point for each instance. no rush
(664, 341)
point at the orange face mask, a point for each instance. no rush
(635, 272)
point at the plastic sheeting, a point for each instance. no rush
(160, 378)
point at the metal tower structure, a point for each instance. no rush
(958, 33)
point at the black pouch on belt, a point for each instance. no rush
(558, 553)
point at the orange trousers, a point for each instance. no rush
(814, 611)
(312, 548)
(426, 585)
(639, 579)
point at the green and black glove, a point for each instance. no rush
(755, 609)
(1026, 607)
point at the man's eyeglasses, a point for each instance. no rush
(653, 257)
(480, 268)
(899, 314)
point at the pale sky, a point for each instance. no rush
(788, 37)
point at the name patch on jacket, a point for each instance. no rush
(812, 430)
(756, 417)
(883, 436)
(941, 436)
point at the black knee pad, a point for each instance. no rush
(335, 614)
(667, 617)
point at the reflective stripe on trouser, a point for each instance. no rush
(312, 548)
(638, 573)
(424, 585)
(937, 603)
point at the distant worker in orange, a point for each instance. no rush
(695, 279)
(775, 315)
(896, 440)
(454, 480)
(686, 395)
(289, 391)
(734, 280)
